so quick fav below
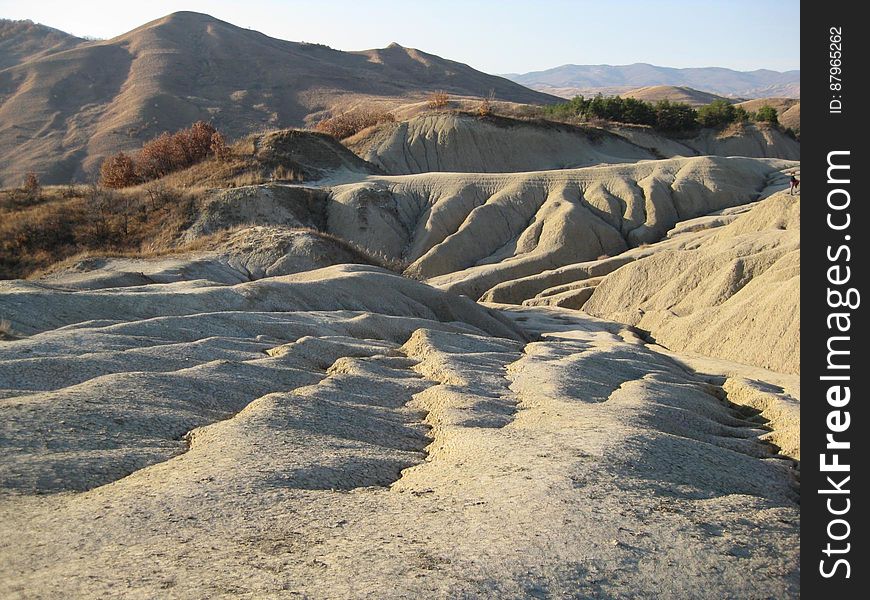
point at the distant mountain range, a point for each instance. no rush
(569, 80)
(66, 103)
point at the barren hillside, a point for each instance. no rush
(61, 113)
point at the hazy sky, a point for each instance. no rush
(497, 37)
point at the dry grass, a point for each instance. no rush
(235, 171)
(62, 223)
(59, 222)
(201, 244)
(68, 224)
(347, 124)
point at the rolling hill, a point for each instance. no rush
(674, 93)
(569, 80)
(62, 112)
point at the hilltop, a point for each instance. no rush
(673, 93)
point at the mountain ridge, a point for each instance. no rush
(620, 78)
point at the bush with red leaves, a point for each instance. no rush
(165, 154)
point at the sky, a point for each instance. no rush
(508, 36)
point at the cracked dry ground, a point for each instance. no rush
(338, 454)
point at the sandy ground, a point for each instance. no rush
(344, 454)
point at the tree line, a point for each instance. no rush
(664, 115)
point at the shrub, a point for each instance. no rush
(347, 124)
(484, 109)
(156, 158)
(174, 151)
(576, 107)
(118, 171)
(196, 141)
(621, 110)
(31, 187)
(219, 147)
(439, 99)
(638, 111)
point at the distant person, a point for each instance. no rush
(793, 184)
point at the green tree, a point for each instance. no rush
(675, 116)
(638, 111)
(767, 114)
(740, 114)
(576, 107)
(718, 113)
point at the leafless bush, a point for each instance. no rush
(96, 231)
(219, 147)
(69, 191)
(93, 219)
(31, 187)
(158, 195)
(484, 109)
(439, 99)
